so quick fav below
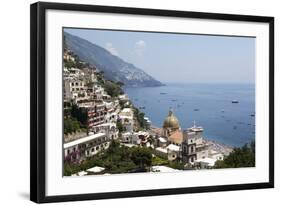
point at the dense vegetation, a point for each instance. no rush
(120, 127)
(239, 157)
(80, 114)
(75, 119)
(71, 125)
(139, 117)
(116, 159)
(156, 161)
(112, 88)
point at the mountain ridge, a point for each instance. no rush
(114, 67)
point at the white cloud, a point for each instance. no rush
(140, 47)
(111, 49)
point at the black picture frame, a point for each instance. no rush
(38, 100)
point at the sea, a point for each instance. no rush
(206, 105)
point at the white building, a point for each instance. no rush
(140, 138)
(205, 163)
(127, 119)
(109, 129)
(173, 152)
(74, 89)
(162, 152)
(126, 137)
(162, 169)
(193, 146)
(86, 147)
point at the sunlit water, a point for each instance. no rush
(209, 105)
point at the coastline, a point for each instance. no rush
(210, 106)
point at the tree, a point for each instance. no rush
(140, 118)
(141, 156)
(120, 127)
(71, 125)
(240, 157)
(80, 114)
(113, 89)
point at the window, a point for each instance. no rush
(191, 149)
(93, 149)
(97, 148)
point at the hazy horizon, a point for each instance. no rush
(185, 58)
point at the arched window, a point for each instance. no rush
(184, 149)
(191, 149)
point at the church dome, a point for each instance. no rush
(171, 121)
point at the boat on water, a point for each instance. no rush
(252, 115)
(235, 101)
(196, 109)
(163, 93)
(142, 107)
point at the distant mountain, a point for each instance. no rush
(114, 68)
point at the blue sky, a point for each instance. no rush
(180, 58)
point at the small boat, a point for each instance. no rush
(174, 100)
(142, 107)
(222, 110)
(252, 115)
(163, 93)
(196, 109)
(235, 101)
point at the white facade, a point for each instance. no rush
(127, 119)
(87, 146)
(74, 89)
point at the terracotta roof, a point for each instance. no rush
(157, 131)
(176, 137)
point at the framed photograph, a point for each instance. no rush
(129, 102)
